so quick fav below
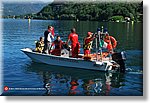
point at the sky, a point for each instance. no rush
(9, 1)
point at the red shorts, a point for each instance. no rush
(75, 49)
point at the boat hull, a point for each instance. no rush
(66, 61)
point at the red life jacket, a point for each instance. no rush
(111, 41)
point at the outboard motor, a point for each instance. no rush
(120, 58)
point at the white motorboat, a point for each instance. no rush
(115, 62)
(66, 61)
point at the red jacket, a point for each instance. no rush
(58, 44)
(73, 38)
(88, 40)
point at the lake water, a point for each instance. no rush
(20, 72)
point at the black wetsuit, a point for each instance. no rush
(46, 42)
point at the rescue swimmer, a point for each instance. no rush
(75, 45)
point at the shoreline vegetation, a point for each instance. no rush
(116, 12)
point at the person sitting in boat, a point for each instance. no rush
(40, 45)
(111, 42)
(88, 43)
(75, 46)
(48, 38)
(58, 46)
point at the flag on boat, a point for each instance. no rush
(103, 44)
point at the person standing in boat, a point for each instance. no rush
(48, 38)
(75, 45)
(111, 42)
(88, 43)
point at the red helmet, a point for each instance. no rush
(89, 33)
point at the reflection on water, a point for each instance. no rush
(71, 81)
(29, 24)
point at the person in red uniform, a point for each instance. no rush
(73, 37)
(111, 41)
(87, 43)
(58, 46)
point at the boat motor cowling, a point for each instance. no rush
(120, 57)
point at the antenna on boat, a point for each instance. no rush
(99, 39)
(106, 32)
(96, 49)
(102, 29)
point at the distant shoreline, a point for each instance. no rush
(72, 20)
(103, 12)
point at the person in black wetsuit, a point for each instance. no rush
(48, 37)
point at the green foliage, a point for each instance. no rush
(116, 18)
(101, 11)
